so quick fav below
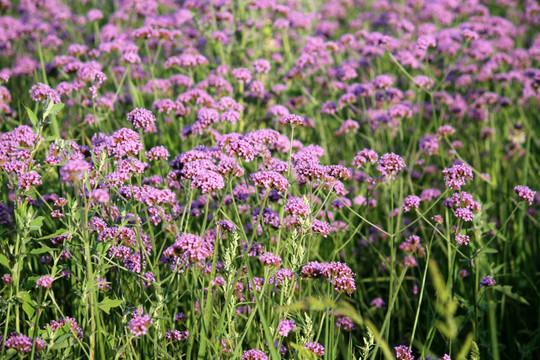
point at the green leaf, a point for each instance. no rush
(28, 304)
(4, 261)
(37, 223)
(56, 108)
(32, 116)
(58, 232)
(109, 303)
(507, 290)
(41, 250)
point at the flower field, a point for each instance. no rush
(269, 179)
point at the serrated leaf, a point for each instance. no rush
(109, 303)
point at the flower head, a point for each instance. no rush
(390, 164)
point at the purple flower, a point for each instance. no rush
(29, 179)
(411, 202)
(44, 281)
(176, 335)
(139, 323)
(254, 355)
(364, 156)
(390, 164)
(243, 75)
(286, 326)
(7, 279)
(455, 176)
(157, 153)
(269, 259)
(261, 66)
(487, 281)
(462, 239)
(101, 196)
(74, 326)
(464, 214)
(345, 323)
(270, 180)
(23, 343)
(525, 193)
(226, 225)
(208, 181)
(142, 119)
(124, 142)
(297, 206)
(315, 348)
(292, 119)
(74, 170)
(378, 302)
(403, 353)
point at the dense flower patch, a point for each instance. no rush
(269, 179)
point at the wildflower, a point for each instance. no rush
(464, 214)
(29, 179)
(412, 245)
(411, 202)
(73, 325)
(243, 75)
(208, 181)
(455, 176)
(525, 193)
(403, 353)
(345, 323)
(261, 66)
(286, 326)
(176, 335)
(142, 119)
(270, 259)
(297, 206)
(124, 142)
(292, 119)
(462, 239)
(254, 355)
(44, 281)
(102, 284)
(315, 348)
(7, 279)
(347, 127)
(364, 156)
(101, 196)
(321, 227)
(410, 261)
(226, 225)
(378, 302)
(390, 164)
(23, 343)
(487, 281)
(270, 180)
(139, 323)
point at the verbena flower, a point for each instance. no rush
(139, 323)
(525, 193)
(44, 281)
(315, 348)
